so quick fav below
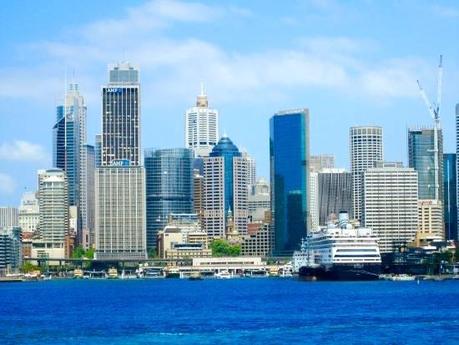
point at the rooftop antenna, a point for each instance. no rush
(434, 111)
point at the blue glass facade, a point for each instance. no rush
(289, 160)
(59, 139)
(450, 196)
(169, 187)
(226, 149)
(421, 158)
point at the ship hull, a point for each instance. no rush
(341, 272)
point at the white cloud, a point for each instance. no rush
(7, 184)
(21, 150)
(170, 67)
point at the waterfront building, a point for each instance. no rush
(319, 162)
(121, 115)
(87, 205)
(259, 200)
(289, 162)
(8, 217)
(225, 189)
(120, 226)
(421, 157)
(10, 250)
(169, 187)
(390, 204)
(201, 126)
(53, 223)
(431, 218)
(29, 215)
(182, 237)
(366, 147)
(334, 194)
(457, 164)
(259, 240)
(450, 196)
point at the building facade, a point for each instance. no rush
(390, 204)
(120, 212)
(431, 218)
(421, 157)
(53, 224)
(319, 162)
(450, 196)
(201, 127)
(87, 205)
(366, 148)
(225, 189)
(10, 250)
(259, 200)
(169, 187)
(9, 217)
(289, 165)
(29, 215)
(334, 194)
(121, 116)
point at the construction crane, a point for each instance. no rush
(434, 111)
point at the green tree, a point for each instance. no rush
(221, 247)
(89, 254)
(78, 252)
(27, 267)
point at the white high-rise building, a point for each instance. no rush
(54, 214)
(251, 168)
(259, 201)
(29, 215)
(87, 204)
(366, 148)
(201, 127)
(390, 204)
(120, 212)
(314, 199)
(8, 217)
(225, 189)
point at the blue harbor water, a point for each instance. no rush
(235, 311)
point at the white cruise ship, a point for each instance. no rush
(339, 252)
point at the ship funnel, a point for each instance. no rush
(343, 219)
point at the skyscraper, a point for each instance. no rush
(53, 225)
(201, 127)
(225, 189)
(98, 150)
(319, 162)
(120, 212)
(252, 168)
(430, 218)
(8, 217)
(450, 196)
(87, 205)
(366, 147)
(169, 187)
(334, 193)
(421, 158)
(390, 204)
(457, 163)
(69, 148)
(120, 180)
(289, 162)
(121, 116)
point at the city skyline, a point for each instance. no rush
(242, 78)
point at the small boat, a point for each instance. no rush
(223, 275)
(402, 278)
(78, 273)
(195, 276)
(112, 273)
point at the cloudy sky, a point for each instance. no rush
(350, 63)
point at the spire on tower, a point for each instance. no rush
(202, 101)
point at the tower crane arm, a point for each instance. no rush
(426, 101)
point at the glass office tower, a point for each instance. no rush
(289, 163)
(450, 196)
(169, 187)
(421, 158)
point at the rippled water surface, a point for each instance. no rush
(236, 311)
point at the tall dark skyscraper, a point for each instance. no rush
(421, 158)
(289, 161)
(450, 196)
(121, 116)
(169, 187)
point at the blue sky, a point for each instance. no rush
(350, 63)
